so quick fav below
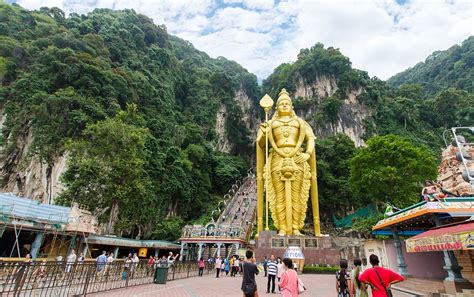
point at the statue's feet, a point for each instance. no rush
(282, 233)
(297, 232)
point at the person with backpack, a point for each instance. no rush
(358, 288)
(379, 278)
(342, 280)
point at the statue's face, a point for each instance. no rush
(284, 107)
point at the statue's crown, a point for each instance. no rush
(283, 96)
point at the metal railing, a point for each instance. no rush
(80, 279)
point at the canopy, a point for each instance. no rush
(459, 236)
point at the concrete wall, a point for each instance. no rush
(422, 265)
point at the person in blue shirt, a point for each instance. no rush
(227, 266)
(101, 260)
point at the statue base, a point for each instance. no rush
(316, 249)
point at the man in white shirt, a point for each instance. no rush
(218, 266)
(236, 266)
(71, 259)
(108, 265)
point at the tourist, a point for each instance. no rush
(126, 267)
(231, 263)
(151, 261)
(21, 272)
(135, 262)
(201, 266)
(101, 260)
(342, 280)
(289, 280)
(163, 262)
(171, 259)
(227, 267)
(241, 267)
(272, 270)
(71, 259)
(358, 288)
(108, 265)
(379, 278)
(280, 269)
(218, 266)
(236, 265)
(81, 258)
(265, 262)
(250, 270)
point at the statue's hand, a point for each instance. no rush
(264, 127)
(303, 157)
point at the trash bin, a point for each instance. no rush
(161, 275)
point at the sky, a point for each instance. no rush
(383, 37)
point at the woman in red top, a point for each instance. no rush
(379, 278)
(201, 266)
(289, 280)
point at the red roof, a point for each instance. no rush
(465, 226)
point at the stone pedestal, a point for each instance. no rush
(316, 250)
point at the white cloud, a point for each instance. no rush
(381, 37)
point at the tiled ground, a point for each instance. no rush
(209, 286)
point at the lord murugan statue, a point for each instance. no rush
(286, 168)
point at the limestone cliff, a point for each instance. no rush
(247, 109)
(351, 115)
(25, 175)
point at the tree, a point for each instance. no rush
(333, 155)
(106, 169)
(390, 169)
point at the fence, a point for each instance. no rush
(80, 279)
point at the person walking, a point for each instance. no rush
(71, 259)
(126, 267)
(342, 280)
(227, 267)
(379, 278)
(101, 260)
(280, 269)
(289, 280)
(108, 265)
(236, 266)
(231, 263)
(358, 288)
(265, 263)
(272, 270)
(201, 266)
(218, 266)
(250, 270)
(135, 262)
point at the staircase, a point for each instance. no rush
(465, 293)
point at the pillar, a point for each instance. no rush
(218, 249)
(402, 266)
(84, 251)
(35, 247)
(200, 250)
(181, 251)
(116, 252)
(157, 251)
(454, 282)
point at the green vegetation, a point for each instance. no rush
(390, 169)
(453, 68)
(320, 269)
(134, 107)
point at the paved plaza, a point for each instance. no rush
(209, 285)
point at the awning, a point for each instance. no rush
(459, 236)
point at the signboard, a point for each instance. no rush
(142, 252)
(459, 241)
(278, 242)
(294, 242)
(293, 252)
(311, 243)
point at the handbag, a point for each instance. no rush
(387, 290)
(301, 287)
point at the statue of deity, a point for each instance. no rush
(289, 172)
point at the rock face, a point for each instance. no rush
(26, 176)
(352, 113)
(249, 112)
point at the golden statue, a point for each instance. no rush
(287, 172)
